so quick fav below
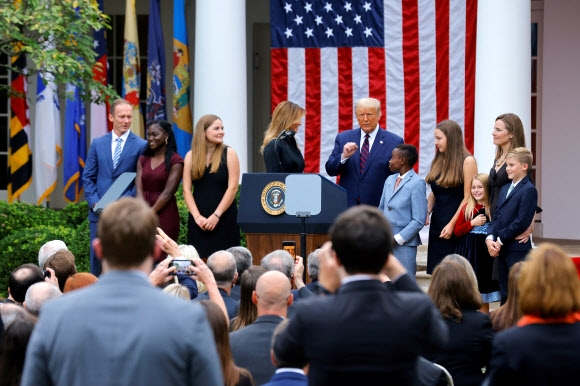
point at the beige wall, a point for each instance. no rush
(560, 120)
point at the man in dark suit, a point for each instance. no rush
(251, 344)
(287, 373)
(110, 156)
(132, 333)
(222, 265)
(244, 260)
(365, 334)
(361, 156)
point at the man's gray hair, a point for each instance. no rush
(38, 294)
(279, 260)
(223, 268)
(243, 258)
(49, 249)
(9, 312)
(313, 265)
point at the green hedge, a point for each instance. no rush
(24, 228)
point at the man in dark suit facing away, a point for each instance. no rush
(365, 334)
(361, 156)
(251, 344)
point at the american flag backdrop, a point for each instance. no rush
(416, 56)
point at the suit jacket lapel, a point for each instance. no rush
(409, 175)
(108, 149)
(355, 137)
(504, 199)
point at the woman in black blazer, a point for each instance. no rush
(545, 346)
(470, 334)
(281, 153)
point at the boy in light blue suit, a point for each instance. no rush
(404, 204)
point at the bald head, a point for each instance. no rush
(223, 266)
(272, 295)
(38, 294)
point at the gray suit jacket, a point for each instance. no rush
(405, 208)
(121, 331)
(251, 347)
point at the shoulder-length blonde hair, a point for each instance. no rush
(452, 290)
(284, 116)
(515, 127)
(199, 150)
(447, 167)
(481, 177)
(548, 285)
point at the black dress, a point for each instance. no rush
(447, 201)
(208, 192)
(283, 156)
(497, 179)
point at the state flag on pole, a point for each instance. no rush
(47, 138)
(99, 122)
(415, 56)
(19, 154)
(156, 101)
(75, 144)
(131, 70)
(182, 125)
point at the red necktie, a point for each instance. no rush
(397, 182)
(364, 153)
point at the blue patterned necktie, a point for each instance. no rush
(510, 190)
(117, 153)
(364, 153)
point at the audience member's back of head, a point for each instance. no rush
(219, 325)
(22, 278)
(248, 310)
(49, 249)
(126, 232)
(361, 237)
(13, 348)
(463, 262)
(38, 295)
(508, 315)
(549, 286)
(279, 260)
(223, 266)
(188, 252)
(243, 258)
(177, 290)
(273, 293)
(452, 290)
(9, 312)
(278, 362)
(313, 265)
(79, 280)
(63, 264)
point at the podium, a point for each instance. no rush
(266, 225)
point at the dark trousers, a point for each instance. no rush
(505, 261)
(95, 262)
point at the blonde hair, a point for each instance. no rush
(462, 261)
(370, 103)
(515, 127)
(522, 155)
(548, 285)
(471, 202)
(284, 116)
(447, 167)
(199, 150)
(177, 290)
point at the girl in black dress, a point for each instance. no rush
(281, 153)
(210, 182)
(452, 170)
